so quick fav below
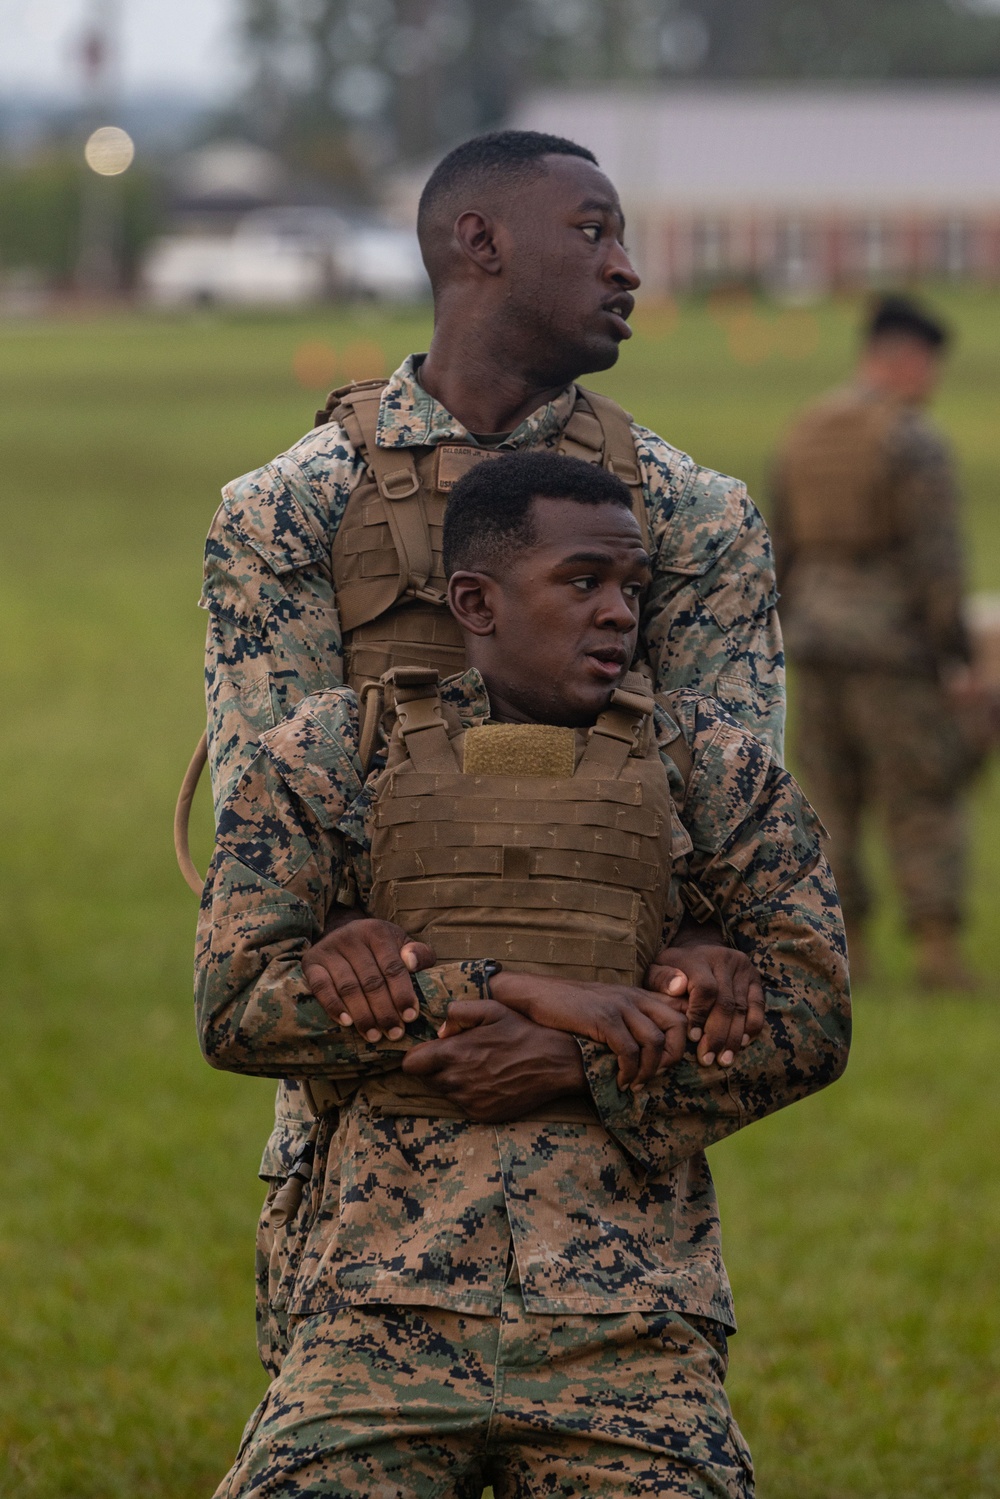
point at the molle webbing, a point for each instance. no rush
(542, 847)
(837, 474)
(387, 567)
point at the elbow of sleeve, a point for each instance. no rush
(218, 1035)
(217, 1048)
(841, 1051)
(833, 1053)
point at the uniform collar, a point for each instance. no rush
(467, 694)
(411, 418)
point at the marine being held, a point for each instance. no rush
(499, 1252)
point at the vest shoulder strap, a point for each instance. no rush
(420, 718)
(394, 473)
(623, 729)
(341, 397)
(393, 469)
(617, 446)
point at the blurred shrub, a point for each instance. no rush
(41, 207)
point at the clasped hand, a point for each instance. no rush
(702, 992)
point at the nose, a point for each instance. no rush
(619, 269)
(617, 611)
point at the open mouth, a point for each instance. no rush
(608, 662)
(619, 310)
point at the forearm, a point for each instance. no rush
(256, 1013)
(803, 1047)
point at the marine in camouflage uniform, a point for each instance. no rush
(276, 625)
(866, 530)
(539, 1304)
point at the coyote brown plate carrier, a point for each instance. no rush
(545, 848)
(388, 574)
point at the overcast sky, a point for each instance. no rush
(165, 44)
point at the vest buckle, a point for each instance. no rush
(426, 595)
(399, 484)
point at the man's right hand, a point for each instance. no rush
(360, 971)
(722, 996)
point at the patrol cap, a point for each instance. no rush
(902, 315)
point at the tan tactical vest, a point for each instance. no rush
(545, 848)
(837, 477)
(387, 570)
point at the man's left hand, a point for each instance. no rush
(501, 1066)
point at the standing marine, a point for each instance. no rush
(323, 568)
(869, 556)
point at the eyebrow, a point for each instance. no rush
(601, 205)
(602, 558)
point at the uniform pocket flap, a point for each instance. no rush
(264, 510)
(706, 521)
(314, 757)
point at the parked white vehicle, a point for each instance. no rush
(181, 270)
(367, 258)
(286, 257)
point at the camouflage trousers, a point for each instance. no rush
(890, 743)
(423, 1403)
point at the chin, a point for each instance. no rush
(599, 355)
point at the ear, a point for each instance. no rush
(477, 237)
(470, 599)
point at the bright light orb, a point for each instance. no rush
(109, 151)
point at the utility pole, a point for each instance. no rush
(108, 153)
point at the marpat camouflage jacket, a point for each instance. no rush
(610, 1216)
(709, 621)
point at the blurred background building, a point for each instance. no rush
(798, 188)
(280, 143)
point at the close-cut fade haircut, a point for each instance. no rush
(904, 317)
(488, 519)
(490, 167)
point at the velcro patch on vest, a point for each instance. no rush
(520, 749)
(454, 462)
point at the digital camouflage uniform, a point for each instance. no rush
(866, 535)
(274, 633)
(540, 1304)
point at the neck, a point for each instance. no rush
(502, 710)
(476, 375)
(511, 707)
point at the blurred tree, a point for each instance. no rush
(40, 204)
(348, 86)
(833, 39)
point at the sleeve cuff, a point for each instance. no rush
(621, 1113)
(444, 982)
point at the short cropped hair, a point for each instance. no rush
(487, 522)
(905, 317)
(502, 158)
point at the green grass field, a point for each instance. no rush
(861, 1227)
